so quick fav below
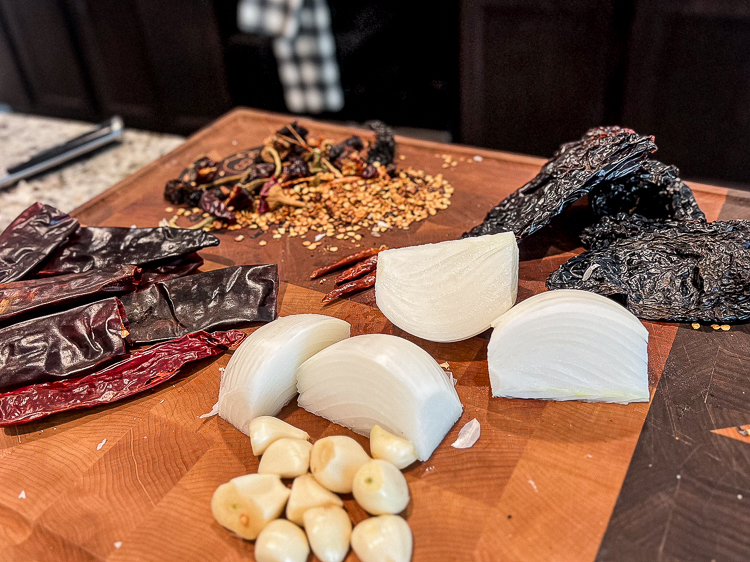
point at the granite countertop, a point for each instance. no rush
(22, 136)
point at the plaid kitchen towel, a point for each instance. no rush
(304, 48)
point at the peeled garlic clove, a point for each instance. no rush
(328, 530)
(335, 460)
(281, 541)
(379, 487)
(386, 538)
(264, 430)
(307, 494)
(247, 503)
(288, 458)
(396, 450)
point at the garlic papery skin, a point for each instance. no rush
(569, 345)
(385, 538)
(259, 378)
(264, 430)
(396, 450)
(329, 531)
(281, 541)
(380, 488)
(377, 379)
(307, 493)
(246, 504)
(286, 457)
(449, 291)
(335, 460)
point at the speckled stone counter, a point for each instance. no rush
(22, 136)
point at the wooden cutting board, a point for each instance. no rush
(133, 481)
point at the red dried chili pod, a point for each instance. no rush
(358, 270)
(351, 287)
(348, 260)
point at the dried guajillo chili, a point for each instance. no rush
(348, 260)
(95, 247)
(38, 295)
(31, 237)
(139, 372)
(171, 268)
(62, 345)
(358, 270)
(351, 287)
(205, 301)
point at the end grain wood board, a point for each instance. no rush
(133, 481)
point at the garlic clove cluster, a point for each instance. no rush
(306, 494)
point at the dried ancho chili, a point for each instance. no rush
(97, 247)
(139, 372)
(669, 270)
(30, 238)
(654, 190)
(205, 301)
(62, 345)
(38, 295)
(604, 154)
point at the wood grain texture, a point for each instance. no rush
(540, 484)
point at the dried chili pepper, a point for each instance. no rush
(139, 372)
(384, 147)
(603, 154)
(239, 198)
(351, 287)
(96, 247)
(176, 192)
(206, 301)
(170, 269)
(35, 295)
(211, 203)
(62, 345)
(348, 260)
(358, 270)
(30, 238)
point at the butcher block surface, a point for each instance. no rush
(133, 481)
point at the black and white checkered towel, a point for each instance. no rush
(304, 47)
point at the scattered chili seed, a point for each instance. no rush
(715, 326)
(262, 243)
(239, 238)
(725, 327)
(696, 326)
(169, 210)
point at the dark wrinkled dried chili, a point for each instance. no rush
(62, 345)
(96, 247)
(239, 198)
(139, 372)
(214, 206)
(358, 270)
(171, 268)
(38, 295)
(384, 147)
(206, 301)
(30, 238)
(351, 287)
(603, 154)
(348, 260)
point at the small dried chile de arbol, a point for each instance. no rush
(205, 301)
(62, 345)
(37, 295)
(97, 247)
(140, 371)
(30, 238)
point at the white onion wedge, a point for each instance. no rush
(569, 345)
(385, 380)
(259, 378)
(449, 291)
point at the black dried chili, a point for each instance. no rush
(62, 345)
(96, 247)
(358, 270)
(384, 147)
(38, 295)
(171, 268)
(348, 260)
(139, 372)
(351, 287)
(206, 301)
(30, 238)
(214, 206)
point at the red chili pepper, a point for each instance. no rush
(141, 371)
(351, 287)
(348, 260)
(365, 266)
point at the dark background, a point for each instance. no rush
(522, 75)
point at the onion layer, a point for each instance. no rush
(448, 291)
(569, 345)
(385, 380)
(259, 379)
